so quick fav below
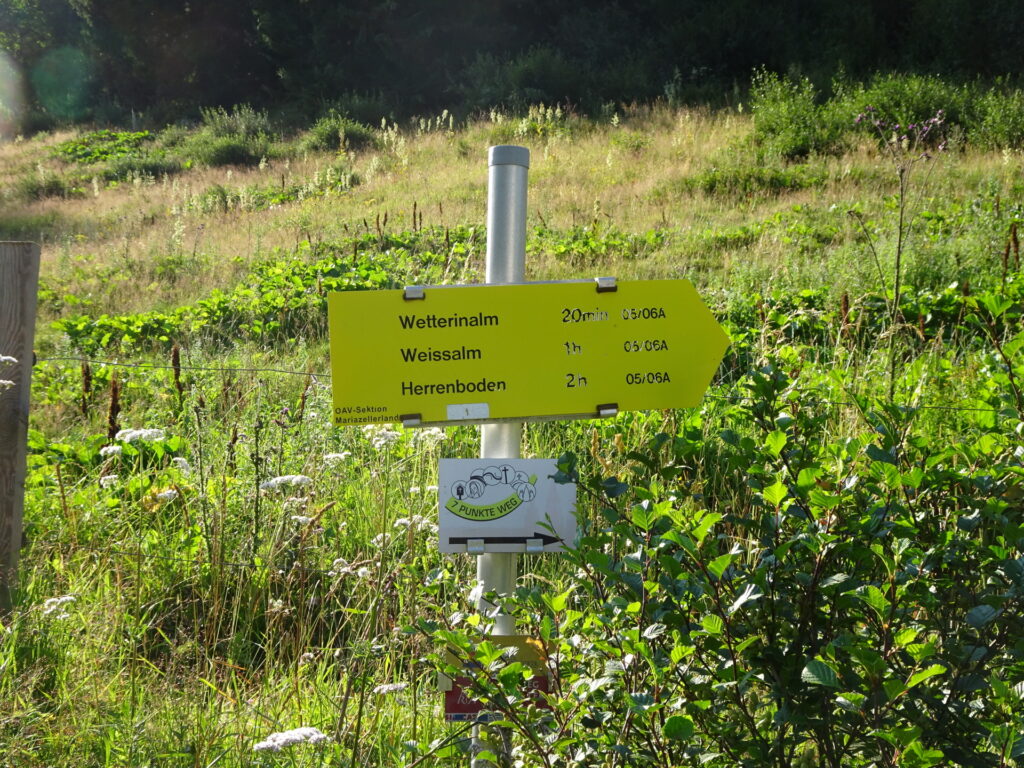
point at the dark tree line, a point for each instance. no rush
(169, 57)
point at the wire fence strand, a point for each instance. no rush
(162, 366)
(735, 398)
(193, 561)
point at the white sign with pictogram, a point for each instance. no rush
(504, 505)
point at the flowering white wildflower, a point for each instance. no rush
(414, 489)
(131, 435)
(431, 489)
(364, 572)
(387, 688)
(295, 481)
(380, 437)
(181, 465)
(335, 458)
(278, 606)
(8, 359)
(110, 450)
(169, 495)
(306, 658)
(340, 567)
(416, 521)
(54, 606)
(6, 384)
(275, 742)
(108, 480)
(302, 519)
(430, 436)
(296, 501)
(381, 540)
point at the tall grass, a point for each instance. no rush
(209, 606)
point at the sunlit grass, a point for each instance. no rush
(204, 621)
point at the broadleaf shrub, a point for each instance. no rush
(334, 132)
(788, 121)
(241, 120)
(765, 595)
(1000, 121)
(214, 150)
(101, 146)
(792, 120)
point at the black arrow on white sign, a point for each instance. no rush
(545, 539)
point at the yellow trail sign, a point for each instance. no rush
(522, 352)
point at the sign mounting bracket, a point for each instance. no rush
(414, 293)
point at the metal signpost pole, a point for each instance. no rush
(506, 264)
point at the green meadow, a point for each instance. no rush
(822, 565)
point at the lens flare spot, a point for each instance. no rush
(12, 98)
(62, 81)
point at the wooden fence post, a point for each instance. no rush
(19, 280)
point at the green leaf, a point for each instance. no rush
(836, 578)
(547, 629)
(901, 737)
(820, 498)
(654, 630)
(891, 475)
(680, 652)
(877, 454)
(775, 442)
(888, 562)
(850, 701)
(924, 674)
(817, 672)
(905, 636)
(980, 615)
(1013, 347)
(921, 651)
(807, 478)
(642, 515)
(678, 728)
(996, 305)
(704, 526)
(613, 487)
(719, 564)
(921, 757)
(1017, 750)
(775, 493)
(452, 751)
(712, 624)
(559, 602)
(750, 593)
(914, 477)
(873, 596)
(744, 644)
(893, 688)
